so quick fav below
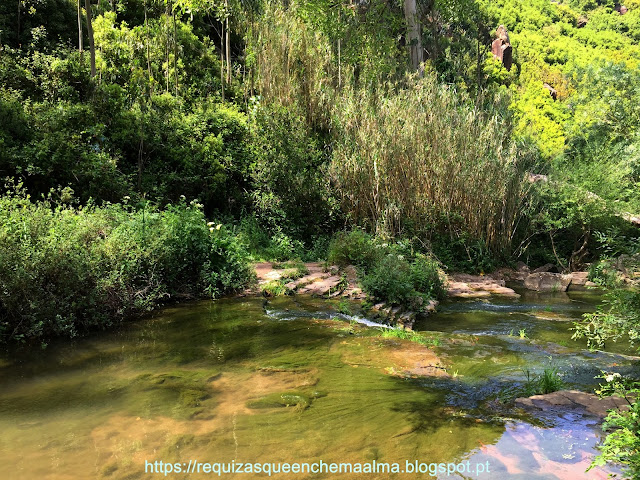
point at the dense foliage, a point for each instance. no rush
(396, 273)
(622, 443)
(295, 120)
(65, 270)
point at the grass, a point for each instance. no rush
(548, 381)
(275, 288)
(409, 335)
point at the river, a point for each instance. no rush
(291, 380)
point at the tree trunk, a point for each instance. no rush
(146, 29)
(227, 39)
(18, 32)
(175, 51)
(92, 47)
(413, 34)
(80, 39)
(222, 57)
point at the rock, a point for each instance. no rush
(501, 47)
(502, 34)
(522, 267)
(582, 21)
(580, 280)
(621, 9)
(537, 177)
(547, 282)
(563, 400)
(321, 286)
(476, 286)
(351, 273)
(552, 91)
(547, 267)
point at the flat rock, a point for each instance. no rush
(477, 286)
(321, 286)
(588, 404)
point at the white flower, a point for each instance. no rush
(612, 376)
(211, 229)
(218, 227)
(211, 224)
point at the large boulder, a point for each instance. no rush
(547, 282)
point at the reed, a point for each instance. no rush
(419, 152)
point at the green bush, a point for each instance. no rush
(426, 278)
(390, 280)
(622, 444)
(548, 381)
(617, 318)
(397, 281)
(354, 248)
(65, 270)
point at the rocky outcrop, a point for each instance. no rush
(545, 278)
(621, 9)
(583, 403)
(501, 47)
(547, 282)
(319, 280)
(547, 267)
(477, 286)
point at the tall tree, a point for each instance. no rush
(414, 39)
(92, 47)
(80, 40)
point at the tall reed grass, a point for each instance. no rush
(419, 152)
(409, 152)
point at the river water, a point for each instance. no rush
(291, 380)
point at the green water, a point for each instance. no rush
(292, 381)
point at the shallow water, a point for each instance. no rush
(292, 381)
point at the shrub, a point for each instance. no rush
(390, 280)
(548, 381)
(426, 278)
(617, 318)
(395, 280)
(622, 444)
(65, 270)
(604, 273)
(353, 248)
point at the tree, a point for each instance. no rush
(413, 34)
(92, 47)
(80, 45)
